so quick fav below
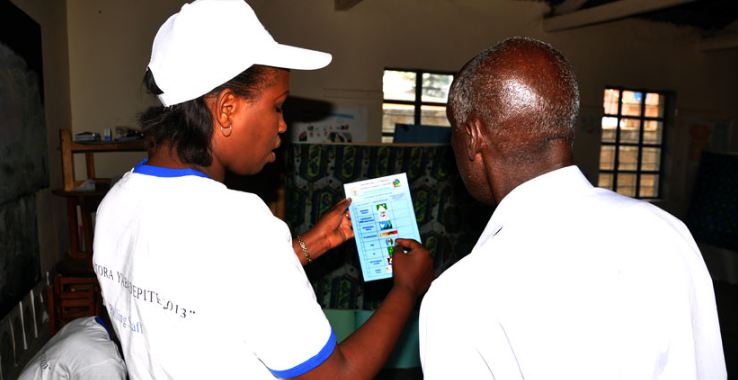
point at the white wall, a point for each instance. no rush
(109, 46)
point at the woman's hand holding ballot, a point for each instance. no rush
(412, 266)
(332, 229)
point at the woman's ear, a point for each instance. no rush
(225, 106)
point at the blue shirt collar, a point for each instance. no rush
(158, 171)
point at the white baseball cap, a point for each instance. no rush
(209, 42)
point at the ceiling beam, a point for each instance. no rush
(344, 5)
(606, 12)
(567, 6)
(732, 26)
(720, 42)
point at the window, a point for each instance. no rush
(415, 97)
(632, 142)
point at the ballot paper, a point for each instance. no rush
(381, 211)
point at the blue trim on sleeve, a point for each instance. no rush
(311, 363)
(158, 171)
(100, 322)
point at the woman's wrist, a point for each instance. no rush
(406, 291)
(304, 249)
(314, 246)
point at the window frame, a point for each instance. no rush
(666, 122)
(418, 102)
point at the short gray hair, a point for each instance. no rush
(476, 90)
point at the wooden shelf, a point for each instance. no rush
(74, 292)
(80, 193)
(81, 204)
(127, 146)
(69, 148)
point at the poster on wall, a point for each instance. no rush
(343, 124)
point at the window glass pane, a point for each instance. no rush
(631, 143)
(652, 131)
(632, 103)
(607, 157)
(612, 98)
(649, 186)
(435, 87)
(628, 158)
(630, 130)
(627, 184)
(433, 115)
(399, 85)
(396, 114)
(605, 180)
(651, 159)
(654, 105)
(609, 127)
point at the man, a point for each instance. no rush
(84, 349)
(567, 281)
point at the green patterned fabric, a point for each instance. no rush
(450, 221)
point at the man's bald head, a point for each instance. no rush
(522, 90)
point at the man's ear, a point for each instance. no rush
(473, 131)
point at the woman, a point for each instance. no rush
(202, 281)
